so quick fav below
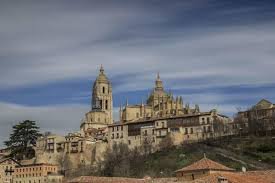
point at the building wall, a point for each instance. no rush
(189, 176)
(184, 129)
(6, 165)
(33, 173)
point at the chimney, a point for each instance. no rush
(243, 169)
(222, 179)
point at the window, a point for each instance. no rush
(121, 128)
(106, 104)
(208, 120)
(145, 132)
(191, 130)
(103, 89)
(129, 142)
(162, 123)
(186, 131)
(112, 136)
(117, 135)
(175, 129)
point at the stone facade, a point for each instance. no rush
(36, 173)
(7, 166)
(182, 128)
(261, 116)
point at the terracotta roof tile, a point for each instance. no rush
(205, 164)
(267, 176)
(240, 177)
(92, 179)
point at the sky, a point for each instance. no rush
(216, 53)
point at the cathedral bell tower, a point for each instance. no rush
(102, 99)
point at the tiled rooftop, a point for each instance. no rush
(205, 164)
(267, 176)
(240, 177)
(92, 179)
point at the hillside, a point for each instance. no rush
(252, 153)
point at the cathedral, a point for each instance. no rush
(149, 122)
(158, 104)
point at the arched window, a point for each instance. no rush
(103, 89)
(106, 104)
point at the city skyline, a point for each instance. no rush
(213, 53)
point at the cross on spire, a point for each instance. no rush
(158, 77)
(101, 68)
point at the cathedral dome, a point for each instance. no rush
(158, 91)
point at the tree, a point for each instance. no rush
(147, 146)
(218, 127)
(23, 139)
(116, 161)
(166, 143)
(120, 161)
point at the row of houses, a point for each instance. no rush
(182, 128)
(12, 171)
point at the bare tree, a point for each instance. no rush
(166, 143)
(218, 127)
(147, 147)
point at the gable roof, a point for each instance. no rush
(205, 164)
(267, 176)
(263, 104)
(9, 158)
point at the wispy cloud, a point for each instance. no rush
(72, 42)
(50, 53)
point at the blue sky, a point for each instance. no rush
(219, 54)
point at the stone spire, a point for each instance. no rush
(159, 85)
(120, 112)
(181, 102)
(127, 102)
(197, 108)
